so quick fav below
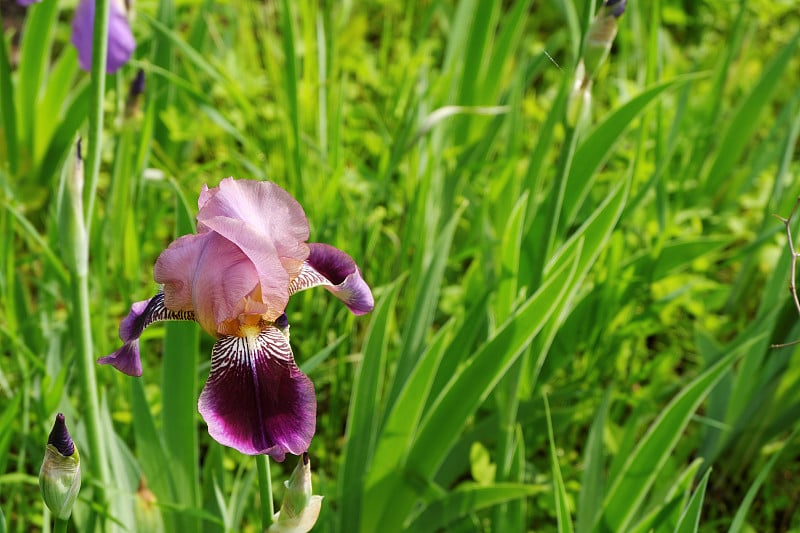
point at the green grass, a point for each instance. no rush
(573, 318)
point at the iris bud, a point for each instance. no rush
(300, 509)
(600, 36)
(60, 475)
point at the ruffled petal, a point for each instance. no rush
(273, 271)
(120, 39)
(336, 271)
(141, 315)
(256, 400)
(210, 275)
(259, 217)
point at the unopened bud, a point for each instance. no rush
(601, 34)
(300, 509)
(60, 475)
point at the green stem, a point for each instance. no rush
(88, 379)
(265, 486)
(60, 525)
(97, 96)
(80, 280)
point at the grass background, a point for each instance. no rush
(573, 325)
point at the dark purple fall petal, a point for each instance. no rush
(141, 315)
(27, 2)
(336, 271)
(60, 438)
(120, 39)
(256, 400)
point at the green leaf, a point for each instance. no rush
(465, 392)
(181, 357)
(745, 121)
(431, 275)
(563, 518)
(467, 498)
(590, 498)
(364, 417)
(9, 113)
(629, 488)
(597, 146)
(744, 508)
(37, 39)
(690, 520)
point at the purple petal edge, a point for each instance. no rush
(336, 271)
(256, 399)
(141, 315)
(126, 359)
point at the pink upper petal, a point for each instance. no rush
(210, 275)
(264, 207)
(275, 270)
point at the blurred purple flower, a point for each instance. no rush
(235, 277)
(27, 2)
(120, 39)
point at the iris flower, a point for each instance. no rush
(120, 38)
(234, 277)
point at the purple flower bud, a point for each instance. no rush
(60, 475)
(615, 7)
(60, 438)
(120, 39)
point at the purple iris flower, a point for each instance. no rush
(120, 39)
(235, 277)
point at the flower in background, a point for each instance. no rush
(60, 475)
(235, 277)
(120, 39)
(300, 509)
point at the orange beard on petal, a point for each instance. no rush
(255, 316)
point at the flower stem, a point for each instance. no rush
(80, 279)
(60, 525)
(265, 486)
(97, 96)
(88, 379)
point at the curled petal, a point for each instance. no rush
(210, 275)
(120, 39)
(267, 224)
(141, 315)
(336, 271)
(256, 400)
(272, 269)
